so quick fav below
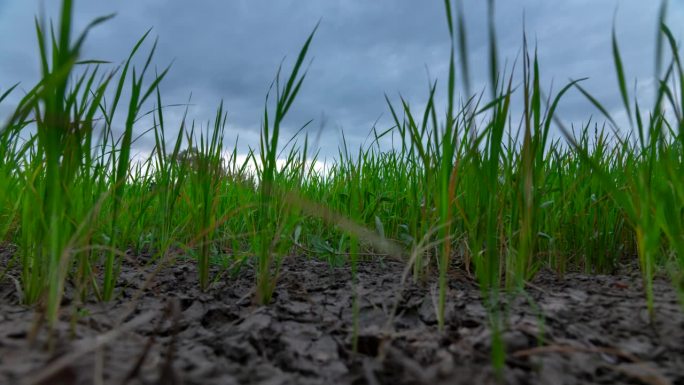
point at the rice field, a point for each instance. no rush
(474, 217)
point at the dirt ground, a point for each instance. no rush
(595, 330)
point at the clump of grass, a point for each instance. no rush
(469, 188)
(650, 195)
(120, 155)
(274, 220)
(206, 172)
(59, 179)
(53, 171)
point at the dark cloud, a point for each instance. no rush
(230, 50)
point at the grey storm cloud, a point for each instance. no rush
(230, 50)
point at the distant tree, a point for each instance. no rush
(193, 160)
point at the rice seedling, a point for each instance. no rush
(273, 219)
(206, 170)
(466, 192)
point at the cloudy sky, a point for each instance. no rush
(230, 50)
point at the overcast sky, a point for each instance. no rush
(230, 50)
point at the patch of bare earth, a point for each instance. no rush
(595, 330)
